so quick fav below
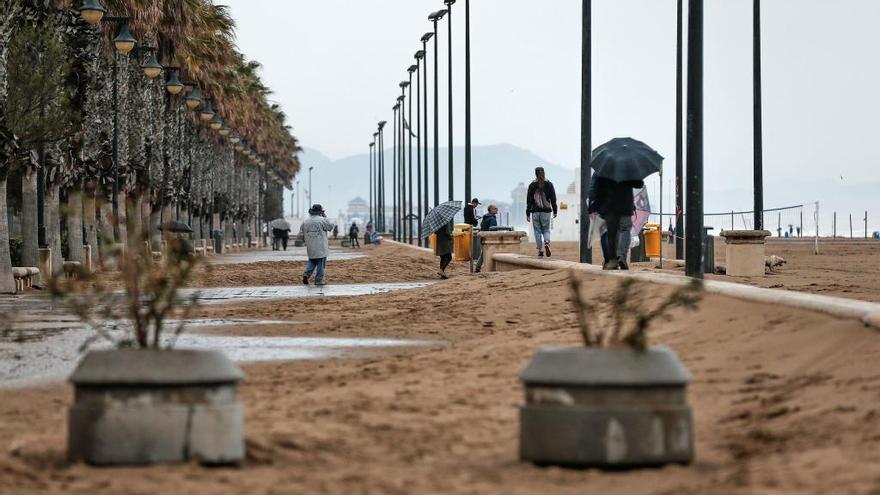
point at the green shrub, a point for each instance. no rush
(15, 246)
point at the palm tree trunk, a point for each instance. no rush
(75, 224)
(134, 219)
(53, 227)
(7, 284)
(30, 255)
(90, 220)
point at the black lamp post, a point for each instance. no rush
(381, 202)
(679, 138)
(310, 186)
(586, 249)
(450, 137)
(409, 173)
(694, 232)
(93, 12)
(427, 37)
(401, 162)
(419, 56)
(467, 100)
(394, 169)
(435, 17)
(758, 126)
(370, 193)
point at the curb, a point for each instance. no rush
(867, 312)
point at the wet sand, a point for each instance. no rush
(785, 401)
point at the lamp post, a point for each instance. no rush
(758, 125)
(401, 164)
(586, 249)
(419, 56)
(93, 13)
(679, 137)
(694, 232)
(407, 128)
(435, 17)
(370, 193)
(467, 100)
(449, 137)
(381, 206)
(427, 37)
(394, 186)
(310, 186)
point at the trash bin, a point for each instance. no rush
(653, 241)
(461, 238)
(637, 253)
(217, 235)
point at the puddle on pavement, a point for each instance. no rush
(54, 355)
(225, 294)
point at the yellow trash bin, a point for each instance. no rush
(653, 242)
(461, 238)
(432, 242)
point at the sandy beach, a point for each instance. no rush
(785, 401)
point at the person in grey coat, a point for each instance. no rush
(314, 231)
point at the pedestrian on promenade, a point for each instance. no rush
(444, 248)
(335, 232)
(353, 233)
(280, 233)
(489, 220)
(540, 204)
(314, 231)
(614, 203)
(470, 212)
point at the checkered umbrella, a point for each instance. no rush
(441, 215)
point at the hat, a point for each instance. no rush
(316, 209)
(538, 169)
(477, 201)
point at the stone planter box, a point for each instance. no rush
(607, 408)
(135, 406)
(745, 252)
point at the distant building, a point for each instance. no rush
(518, 205)
(358, 210)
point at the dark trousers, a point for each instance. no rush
(445, 260)
(353, 239)
(619, 234)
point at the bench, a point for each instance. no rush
(71, 269)
(24, 276)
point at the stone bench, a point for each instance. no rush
(494, 242)
(745, 252)
(24, 276)
(71, 269)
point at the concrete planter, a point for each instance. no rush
(610, 408)
(137, 406)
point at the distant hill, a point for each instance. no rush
(497, 169)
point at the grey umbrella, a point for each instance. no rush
(176, 227)
(441, 215)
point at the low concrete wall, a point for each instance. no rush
(867, 312)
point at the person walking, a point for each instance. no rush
(470, 212)
(489, 220)
(314, 231)
(335, 232)
(614, 203)
(444, 248)
(540, 204)
(353, 233)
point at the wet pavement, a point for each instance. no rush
(227, 294)
(292, 254)
(28, 358)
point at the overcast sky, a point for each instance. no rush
(335, 64)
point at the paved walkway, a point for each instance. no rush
(292, 254)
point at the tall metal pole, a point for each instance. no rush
(401, 145)
(449, 137)
(409, 208)
(437, 16)
(694, 233)
(758, 126)
(586, 248)
(467, 100)
(370, 206)
(425, 40)
(394, 176)
(381, 205)
(116, 152)
(419, 57)
(679, 136)
(310, 186)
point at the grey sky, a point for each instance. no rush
(335, 64)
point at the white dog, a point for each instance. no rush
(771, 263)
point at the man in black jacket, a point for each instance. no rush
(540, 203)
(614, 203)
(470, 214)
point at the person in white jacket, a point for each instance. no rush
(314, 231)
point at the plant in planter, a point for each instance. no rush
(615, 402)
(143, 402)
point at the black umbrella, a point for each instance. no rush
(625, 159)
(176, 227)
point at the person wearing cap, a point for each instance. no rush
(470, 212)
(314, 231)
(540, 204)
(489, 220)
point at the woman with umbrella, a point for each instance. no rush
(620, 165)
(439, 221)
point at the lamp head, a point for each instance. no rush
(124, 41)
(224, 130)
(173, 85)
(420, 54)
(436, 16)
(382, 124)
(206, 113)
(193, 100)
(449, 2)
(412, 68)
(152, 68)
(397, 105)
(427, 37)
(404, 84)
(92, 11)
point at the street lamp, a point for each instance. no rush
(395, 189)
(216, 123)
(403, 173)
(694, 218)
(173, 85)
(435, 17)
(427, 37)
(310, 186)
(193, 100)
(370, 190)
(449, 137)
(152, 68)
(586, 249)
(467, 100)
(224, 130)
(92, 11)
(381, 205)
(419, 56)
(409, 216)
(679, 138)
(758, 123)
(206, 114)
